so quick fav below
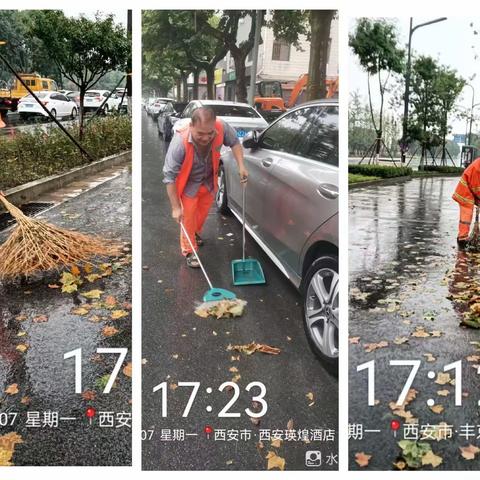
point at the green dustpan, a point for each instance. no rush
(246, 271)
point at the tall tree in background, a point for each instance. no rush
(448, 86)
(427, 115)
(375, 44)
(84, 50)
(226, 31)
(320, 24)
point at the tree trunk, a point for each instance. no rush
(320, 22)
(196, 76)
(81, 114)
(179, 89)
(184, 78)
(210, 71)
(240, 78)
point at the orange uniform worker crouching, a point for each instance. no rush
(467, 194)
(191, 173)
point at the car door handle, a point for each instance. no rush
(267, 162)
(327, 190)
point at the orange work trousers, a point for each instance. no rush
(195, 212)
(466, 214)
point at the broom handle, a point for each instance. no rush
(196, 254)
(15, 212)
(244, 187)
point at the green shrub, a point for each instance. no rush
(441, 169)
(37, 153)
(382, 171)
(356, 178)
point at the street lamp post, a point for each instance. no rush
(407, 80)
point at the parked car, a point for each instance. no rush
(57, 103)
(158, 106)
(95, 98)
(73, 95)
(164, 121)
(241, 116)
(292, 209)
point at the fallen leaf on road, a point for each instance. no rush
(12, 389)
(400, 340)
(80, 311)
(420, 333)
(362, 459)
(233, 369)
(431, 459)
(26, 400)
(109, 331)
(53, 285)
(468, 453)
(70, 282)
(110, 301)
(7, 447)
(21, 318)
(92, 294)
(127, 371)
(274, 461)
(92, 277)
(413, 452)
(276, 443)
(437, 409)
(429, 357)
(443, 393)
(89, 395)
(21, 334)
(22, 347)
(40, 319)
(309, 396)
(370, 347)
(400, 465)
(221, 309)
(116, 314)
(443, 378)
(75, 271)
(253, 347)
(290, 424)
(95, 319)
(354, 340)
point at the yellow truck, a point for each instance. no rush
(9, 96)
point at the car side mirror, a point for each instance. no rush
(250, 140)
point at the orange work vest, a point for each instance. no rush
(184, 173)
(467, 192)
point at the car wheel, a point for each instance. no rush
(320, 307)
(53, 112)
(221, 198)
(73, 116)
(105, 109)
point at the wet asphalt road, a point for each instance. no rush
(403, 266)
(45, 380)
(178, 346)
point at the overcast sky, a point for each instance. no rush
(449, 41)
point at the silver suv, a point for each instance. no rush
(292, 209)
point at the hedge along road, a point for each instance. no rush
(179, 346)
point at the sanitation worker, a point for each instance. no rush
(467, 194)
(191, 173)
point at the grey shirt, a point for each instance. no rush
(202, 171)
